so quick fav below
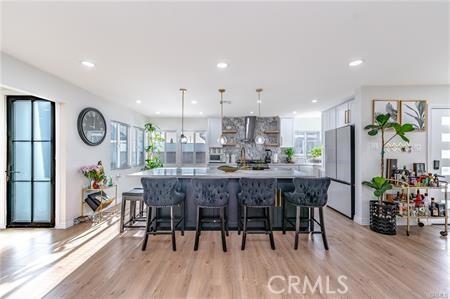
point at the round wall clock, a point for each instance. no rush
(91, 126)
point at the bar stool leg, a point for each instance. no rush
(183, 213)
(283, 216)
(222, 227)
(297, 226)
(239, 217)
(172, 227)
(147, 228)
(244, 232)
(322, 228)
(122, 213)
(311, 222)
(131, 211)
(197, 231)
(155, 225)
(225, 210)
(269, 220)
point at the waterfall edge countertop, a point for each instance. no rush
(213, 172)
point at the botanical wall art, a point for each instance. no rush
(385, 107)
(415, 113)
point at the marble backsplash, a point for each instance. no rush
(252, 150)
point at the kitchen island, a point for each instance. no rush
(283, 175)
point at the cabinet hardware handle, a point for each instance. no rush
(349, 116)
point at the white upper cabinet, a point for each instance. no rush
(214, 131)
(344, 114)
(329, 119)
(287, 132)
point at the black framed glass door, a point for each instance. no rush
(30, 162)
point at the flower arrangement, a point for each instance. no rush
(95, 173)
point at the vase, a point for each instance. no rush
(95, 184)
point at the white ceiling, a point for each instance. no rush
(295, 51)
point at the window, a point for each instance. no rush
(191, 153)
(304, 141)
(119, 145)
(137, 146)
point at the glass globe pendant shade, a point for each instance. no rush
(222, 140)
(259, 139)
(183, 139)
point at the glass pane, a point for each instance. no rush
(133, 146)
(200, 147)
(114, 145)
(22, 161)
(445, 120)
(123, 147)
(21, 202)
(445, 154)
(445, 137)
(42, 123)
(200, 158)
(140, 146)
(188, 149)
(171, 147)
(22, 120)
(42, 160)
(42, 202)
(446, 171)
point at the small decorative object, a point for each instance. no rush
(259, 138)
(91, 126)
(226, 168)
(289, 152)
(390, 107)
(183, 138)
(415, 113)
(95, 174)
(316, 153)
(154, 139)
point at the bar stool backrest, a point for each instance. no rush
(257, 192)
(210, 192)
(162, 191)
(311, 192)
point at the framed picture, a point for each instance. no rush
(386, 106)
(414, 112)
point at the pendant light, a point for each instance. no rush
(183, 139)
(222, 139)
(259, 139)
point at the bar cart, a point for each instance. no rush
(403, 187)
(103, 203)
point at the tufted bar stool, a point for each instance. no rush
(256, 194)
(211, 194)
(162, 193)
(309, 193)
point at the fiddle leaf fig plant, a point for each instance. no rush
(380, 185)
(154, 138)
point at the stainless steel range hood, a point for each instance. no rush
(250, 124)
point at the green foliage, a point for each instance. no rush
(316, 152)
(154, 139)
(289, 152)
(380, 185)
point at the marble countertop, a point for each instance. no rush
(213, 172)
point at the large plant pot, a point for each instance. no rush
(383, 217)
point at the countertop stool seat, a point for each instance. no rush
(136, 199)
(162, 193)
(211, 194)
(309, 193)
(256, 193)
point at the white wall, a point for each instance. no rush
(368, 155)
(72, 152)
(308, 123)
(174, 123)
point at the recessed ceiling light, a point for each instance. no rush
(194, 102)
(251, 112)
(314, 101)
(157, 112)
(259, 101)
(88, 64)
(295, 112)
(355, 62)
(138, 101)
(201, 113)
(222, 65)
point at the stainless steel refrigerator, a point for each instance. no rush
(340, 167)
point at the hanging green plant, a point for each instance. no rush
(154, 139)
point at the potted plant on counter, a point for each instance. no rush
(154, 138)
(289, 152)
(316, 154)
(382, 214)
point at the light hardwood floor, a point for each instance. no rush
(95, 262)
